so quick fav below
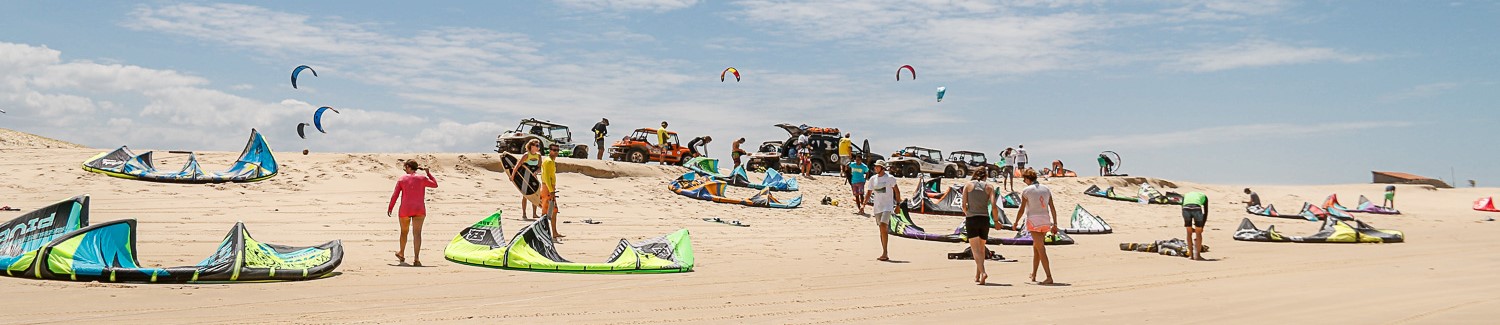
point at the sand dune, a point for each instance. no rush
(809, 265)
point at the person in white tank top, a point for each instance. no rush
(1041, 217)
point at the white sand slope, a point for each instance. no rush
(809, 265)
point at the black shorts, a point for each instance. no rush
(977, 227)
(599, 143)
(1007, 171)
(1193, 216)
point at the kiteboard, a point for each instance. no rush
(524, 178)
(735, 223)
(8, 208)
(968, 254)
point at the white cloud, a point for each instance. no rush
(1258, 53)
(1210, 135)
(1420, 91)
(628, 5)
(49, 93)
(972, 36)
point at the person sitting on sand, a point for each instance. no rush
(1194, 215)
(857, 171)
(1041, 217)
(882, 190)
(549, 188)
(1254, 198)
(982, 213)
(1390, 197)
(412, 191)
(735, 152)
(531, 160)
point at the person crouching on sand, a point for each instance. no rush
(883, 192)
(982, 212)
(1041, 218)
(412, 191)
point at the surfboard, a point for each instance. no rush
(524, 179)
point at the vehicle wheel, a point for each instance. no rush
(909, 171)
(951, 172)
(636, 156)
(816, 168)
(581, 152)
(513, 148)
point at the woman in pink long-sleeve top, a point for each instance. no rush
(412, 190)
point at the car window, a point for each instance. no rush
(672, 139)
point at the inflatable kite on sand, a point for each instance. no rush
(1333, 231)
(1087, 223)
(254, 164)
(712, 190)
(1486, 204)
(483, 244)
(902, 226)
(57, 243)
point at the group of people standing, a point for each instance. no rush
(880, 188)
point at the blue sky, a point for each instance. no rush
(1257, 92)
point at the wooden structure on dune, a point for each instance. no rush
(1404, 178)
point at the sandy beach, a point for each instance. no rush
(814, 264)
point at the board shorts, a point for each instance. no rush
(1007, 171)
(1390, 196)
(599, 143)
(1033, 226)
(1193, 216)
(1021, 165)
(844, 161)
(977, 227)
(884, 218)
(859, 189)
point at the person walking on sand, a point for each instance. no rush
(1041, 219)
(661, 141)
(1008, 168)
(735, 152)
(981, 214)
(1194, 215)
(857, 171)
(1390, 197)
(532, 160)
(549, 189)
(412, 191)
(804, 153)
(884, 193)
(601, 130)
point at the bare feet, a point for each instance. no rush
(983, 277)
(883, 258)
(401, 257)
(1033, 277)
(416, 263)
(1046, 282)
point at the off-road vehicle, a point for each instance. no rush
(913, 160)
(547, 132)
(642, 146)
(969, 161)
(824, 143)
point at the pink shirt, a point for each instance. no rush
(412, 190)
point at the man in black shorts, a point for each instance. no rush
(601, 130)
(1194, 215)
